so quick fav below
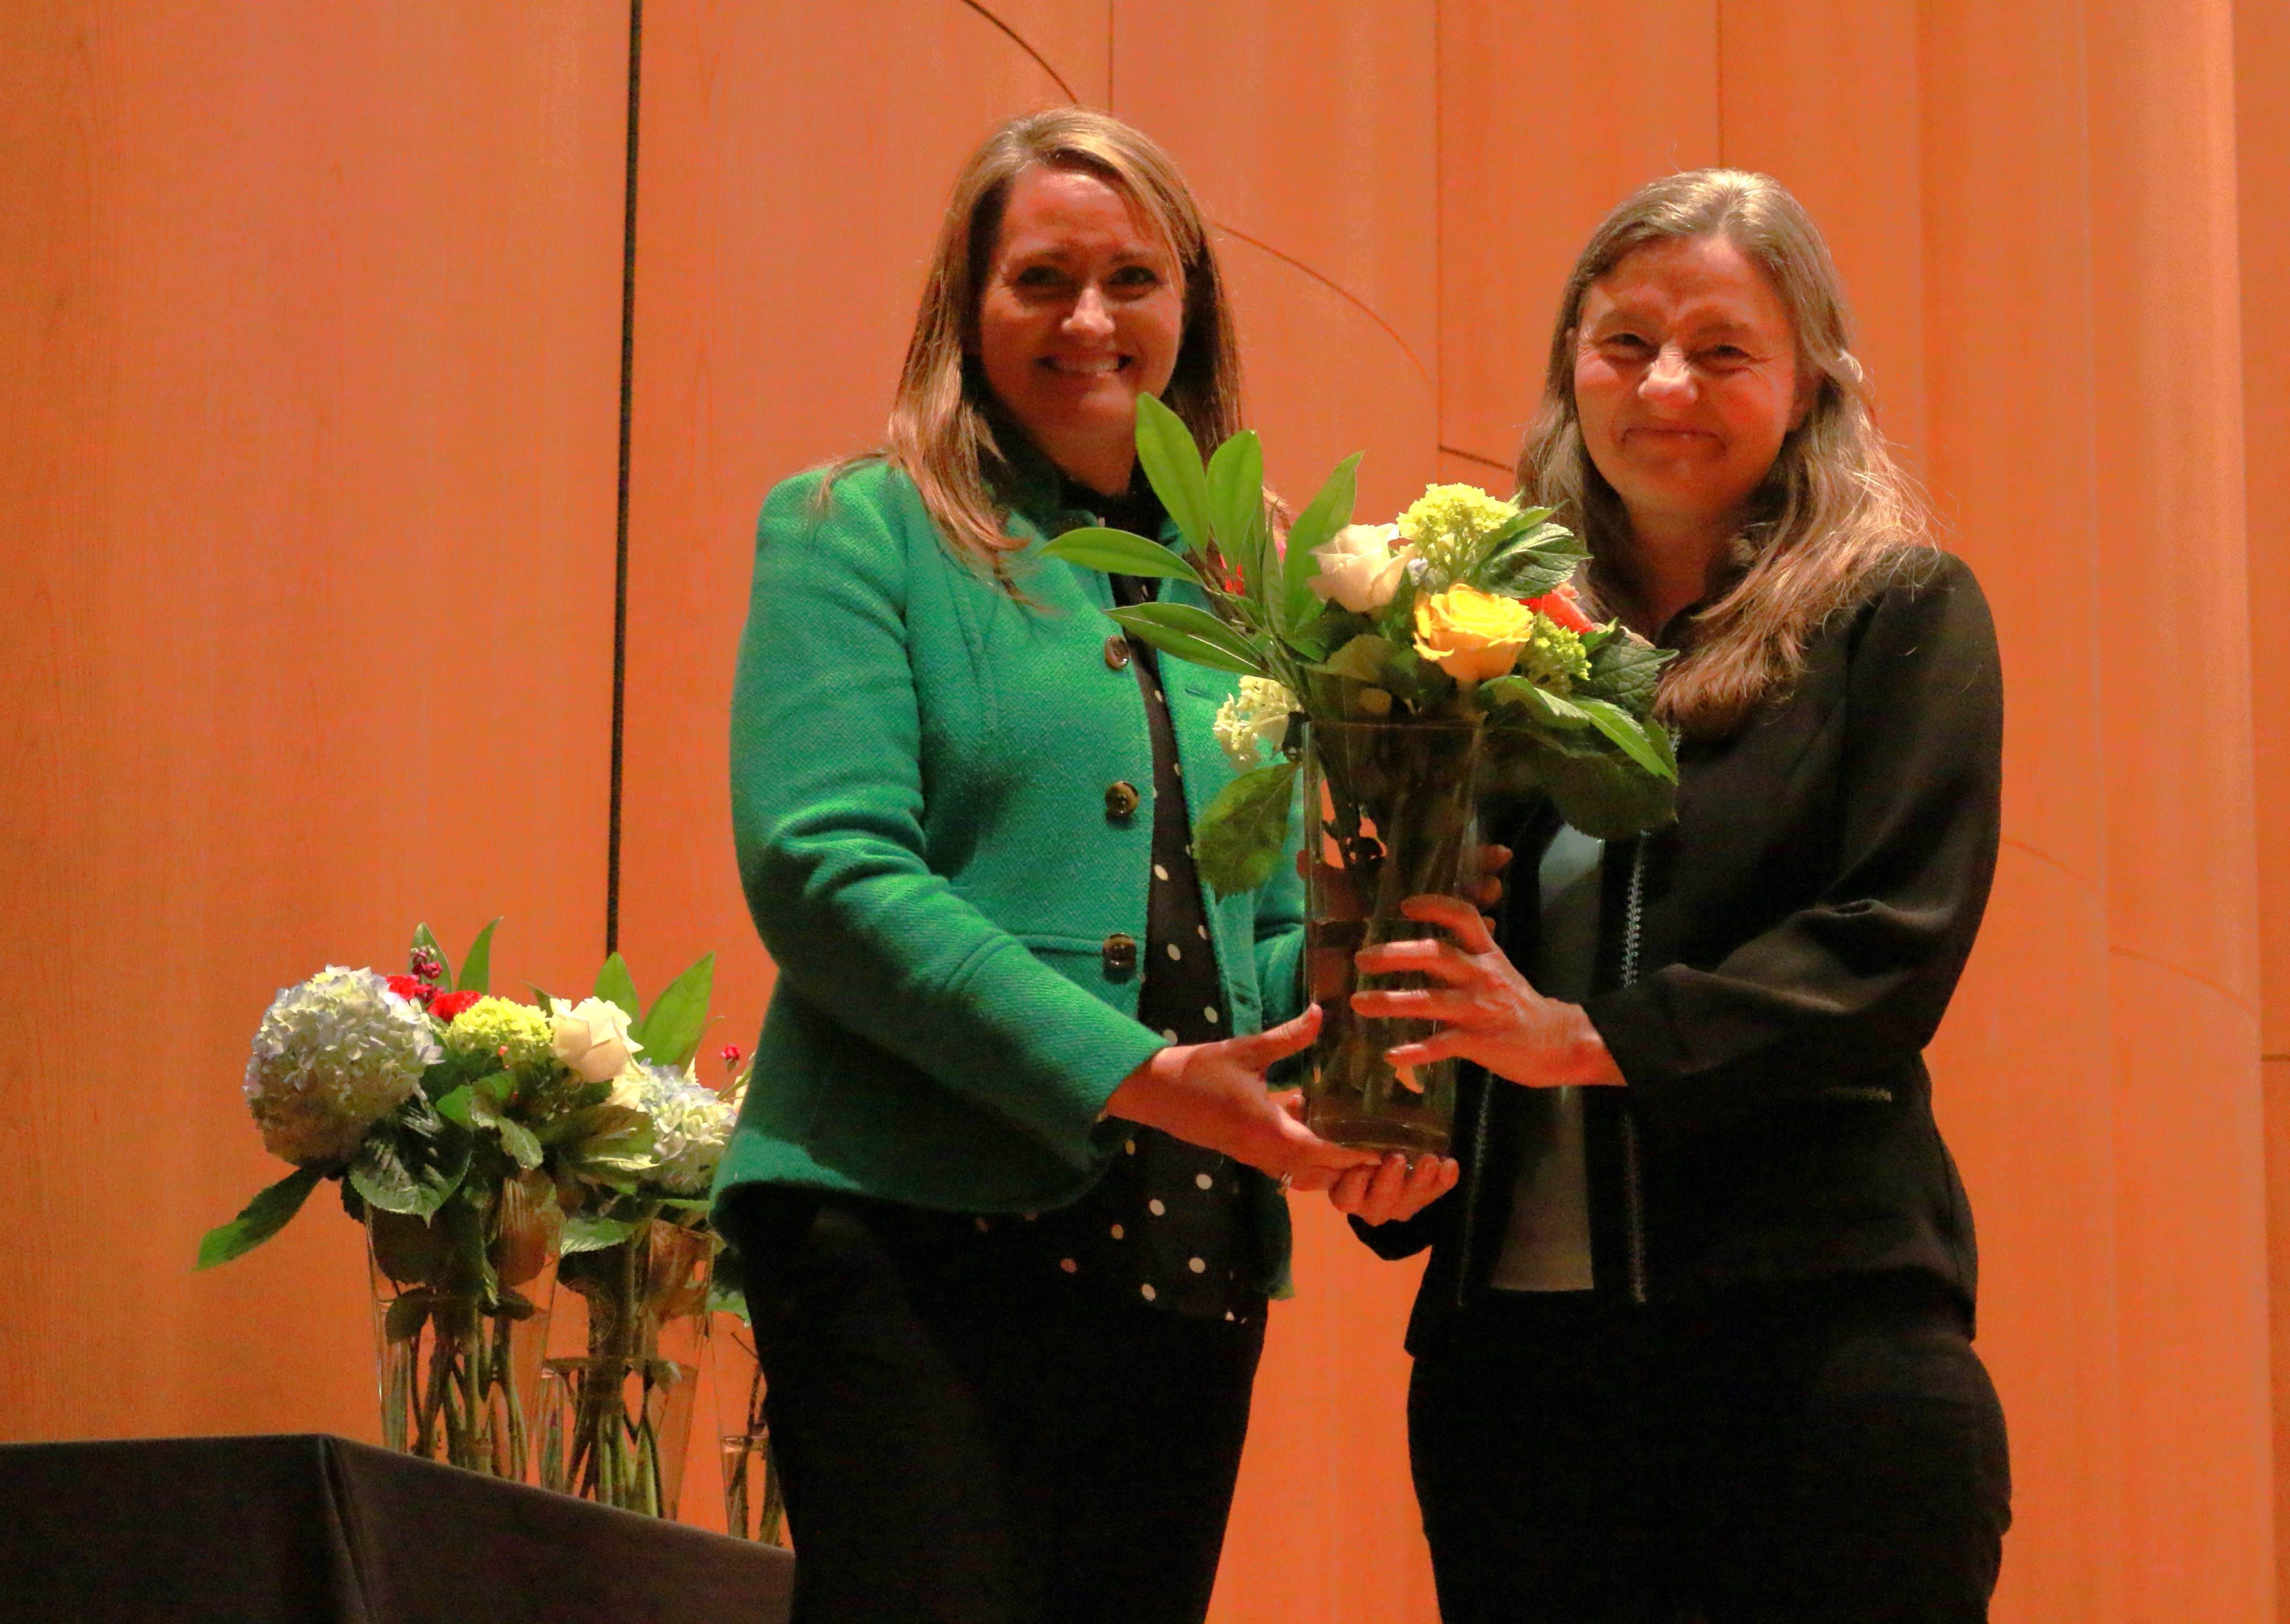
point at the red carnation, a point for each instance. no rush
(1560, 606)
(445, 1006)
(411, 988)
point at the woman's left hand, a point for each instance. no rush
(1492, 1015)
(1396, 1190)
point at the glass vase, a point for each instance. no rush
(460, 1323)
(753, 1508)
(1395, 808)
(627, 1333)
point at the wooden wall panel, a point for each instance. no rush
(1325, 1525)
(307, 369)
(2178, 792)
(1325, 380)
(1825, 98)
(1307, 127)
(1550, 113)
(2262, 161)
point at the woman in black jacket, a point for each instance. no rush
(1694, 1338)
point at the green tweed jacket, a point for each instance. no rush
(943, 802)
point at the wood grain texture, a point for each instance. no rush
(309, 339)
(2261, 56)
(1310, 128)
(310, 384)
(2181, 903)
(1550, 113)
(1827, 98)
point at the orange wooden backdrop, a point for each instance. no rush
(308, 353)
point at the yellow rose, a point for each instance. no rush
(1470, 635)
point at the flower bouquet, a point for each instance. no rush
(632, 1306)
(454, 1120)
(1398, 671)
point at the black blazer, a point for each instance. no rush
(1770, 970)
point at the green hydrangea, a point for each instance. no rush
(1449, 524)
(517, 1032)
(1553, 657)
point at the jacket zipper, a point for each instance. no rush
(1479, 1137)
(1633, 1188)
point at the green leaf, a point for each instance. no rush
(1172, 464)
(1328, 626)
(516, 1138)
(1366, 658)
(411, 1160)
(1539, 704)
(423, 938)
(1625, 670)
(456, 1105)
(1120, 552)
(671, 1030)
(260, 1219)
(1236, 487)
(1519, 525)
(477, 969)
(1327, 513)
(1192, 634)
(1240, 837)
(406, 1312)
(1629, 738)
(1538, 563)
(588, 1232)
(593, 1122)
(1599, 792)
(616, 986)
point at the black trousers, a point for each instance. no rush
(964, 1446)
(1832, 1453)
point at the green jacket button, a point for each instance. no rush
(1116, 653)
(1120, 957)
(1121, 800)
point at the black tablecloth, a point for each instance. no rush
(313, 1529)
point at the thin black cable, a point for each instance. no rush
(620, 536)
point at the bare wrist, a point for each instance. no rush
(1590, 1061)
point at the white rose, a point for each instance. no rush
(591, 1039)
(1360, 567)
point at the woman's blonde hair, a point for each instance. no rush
(1834, 508)
(946, 430)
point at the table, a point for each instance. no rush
(316, 1530)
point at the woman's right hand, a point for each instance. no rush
(1213, 1095)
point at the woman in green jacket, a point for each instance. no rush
(1004, 1181)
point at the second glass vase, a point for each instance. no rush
(627, 1333)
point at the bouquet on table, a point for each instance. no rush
(1398, 671)
(474, 1136)
(632, 1304)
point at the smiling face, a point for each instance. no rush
(1081, 311)
(1686, 381)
